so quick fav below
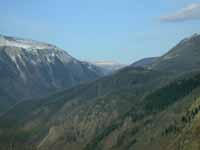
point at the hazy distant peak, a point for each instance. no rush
(24, 43)
(106, 63)
(109, 66)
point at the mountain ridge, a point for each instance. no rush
(156, 107)
(182, 57)
(24, 43)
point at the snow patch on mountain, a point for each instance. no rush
(26, 44)
(38, 52)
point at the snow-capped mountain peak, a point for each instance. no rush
(37, 51)
(37, 69)
(22, 43)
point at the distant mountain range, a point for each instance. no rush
(152, 104)
(109, 66)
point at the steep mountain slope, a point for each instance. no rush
(145, 62)
(182, 57)
(173, 123)
(70, 119)
(75, 119)
(30, 69)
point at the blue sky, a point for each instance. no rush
(94, 30)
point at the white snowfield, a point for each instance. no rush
(35, 51)
(26, 44)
